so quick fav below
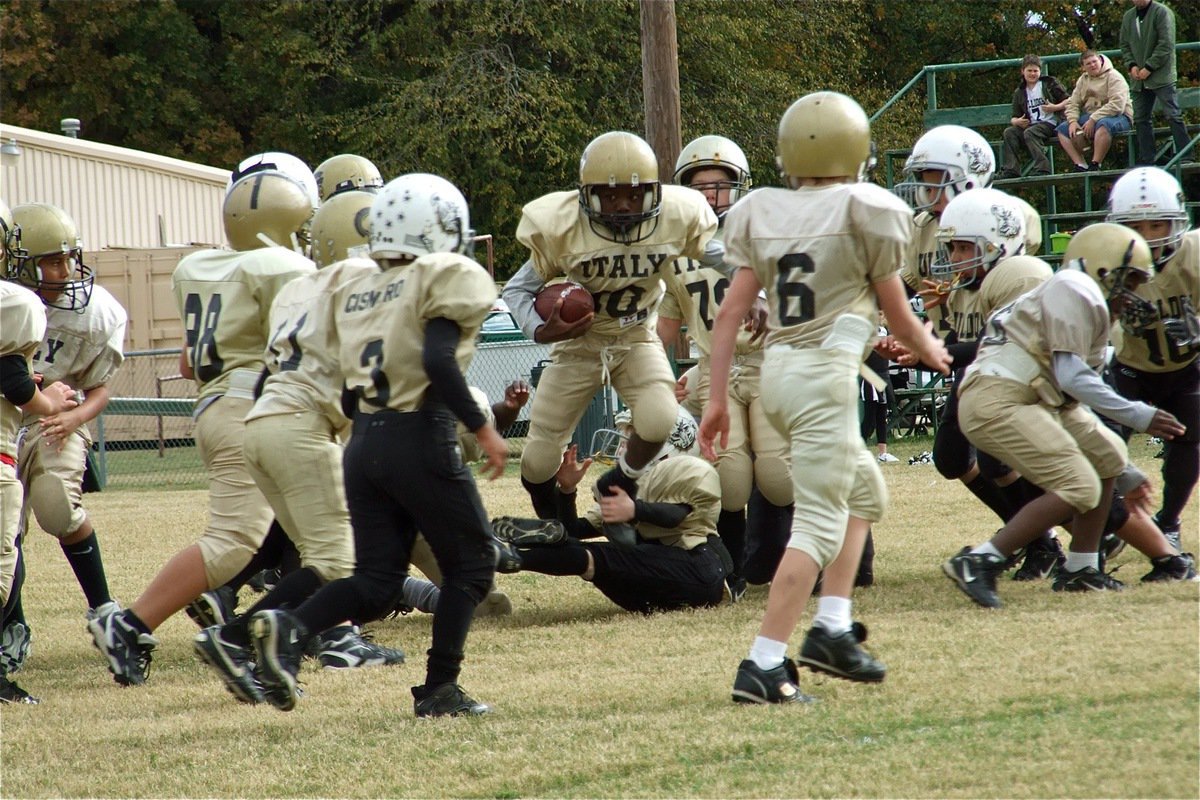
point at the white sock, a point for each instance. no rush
(767, 653)
(1078, 561)
(988, 549)
(833, 614)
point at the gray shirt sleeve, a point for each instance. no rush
(518, 293)
(1083, 383)
(714, 257)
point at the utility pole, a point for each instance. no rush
(660, 82)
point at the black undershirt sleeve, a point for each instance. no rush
(16, 382)
(664, 515)
(447, 382)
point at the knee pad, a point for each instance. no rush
(951, 452)
(654, 422)
(540, 460)
(737, 478)
(990, 467)
(474, 568)
(51, 505)
(773, 477)
(1118, 515)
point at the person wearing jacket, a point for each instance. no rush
(1148, 48)
(1097, 110)
(1036, 104)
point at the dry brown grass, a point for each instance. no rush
(1053, 696)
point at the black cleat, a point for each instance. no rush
(752, 684)
(1171, 568)
(840, 655)
(1041, 559)
(348, 647)
(975, 574)
(215, 607)
(126, 649)
(621, 534)
(232, 663)
(1111, 546)
(508, 557)
(528, 532)
(15, 641)
(447, 700)
(279, 641)
(1088, 579)
(11, 693)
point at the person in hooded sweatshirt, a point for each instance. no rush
(1098, 109)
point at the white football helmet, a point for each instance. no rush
(988, 218)
(286, 163)
(47, 230)
(347, 172)
(1150, 193)
(1110, 254)
(618, 158)
(609, 443)
(715, 152)
(961, 153)
(418, 214)
(342, 222)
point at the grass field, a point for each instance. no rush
(1052, 696)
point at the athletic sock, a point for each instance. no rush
(1078, 561)
(988, 549)
(767, 653)
(85, 561)
(833, 614)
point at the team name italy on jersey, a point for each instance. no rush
(624, 280)
(381, 318)
(817, 251)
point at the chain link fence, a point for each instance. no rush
(144, 438)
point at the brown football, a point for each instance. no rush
(577, 303)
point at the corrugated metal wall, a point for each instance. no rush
(115, 195)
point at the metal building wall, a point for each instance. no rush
(116, 195)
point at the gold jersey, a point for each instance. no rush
(1153, 350)
(817, 251)
(918, 267)
(693, 294)
(624, 279)
(22, 329)
(1010, 279)
(224, 298)
(678, 479)
(84, 348)
(964, 313)
(381, 318)
(302, 353)
(1067, 313)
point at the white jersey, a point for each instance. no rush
(302, 353)
(22, 329)
(84, 348)
(817, 251)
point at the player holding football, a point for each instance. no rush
(615, 235)
(827, 250)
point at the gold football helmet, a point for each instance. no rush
(824, 135)
(267, 208)
(720, 153)
(1119, 260)
(342, 222)
(346, 172)
(47, 230)
(615, 159)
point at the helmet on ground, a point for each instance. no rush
(1115, 257)
(418, 214)
(824, 135)
(616, 159)
(346, 172)
(265, 208)
(988, 218)
(46, 230)
(341, 223)
(1151, 194)
(609, 443)
(961, 153)
(715, 152)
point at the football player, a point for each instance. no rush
(827, 250)
(406, 333)
(757, 454)
(293, 451)
(347, 173)
(22, 329)
(83, 347)
(615, 234)
(1035, 354)
(223, 298)
(678, 561)
(1158, 353)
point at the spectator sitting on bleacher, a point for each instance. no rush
(1098, 109)
(1036, 103)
